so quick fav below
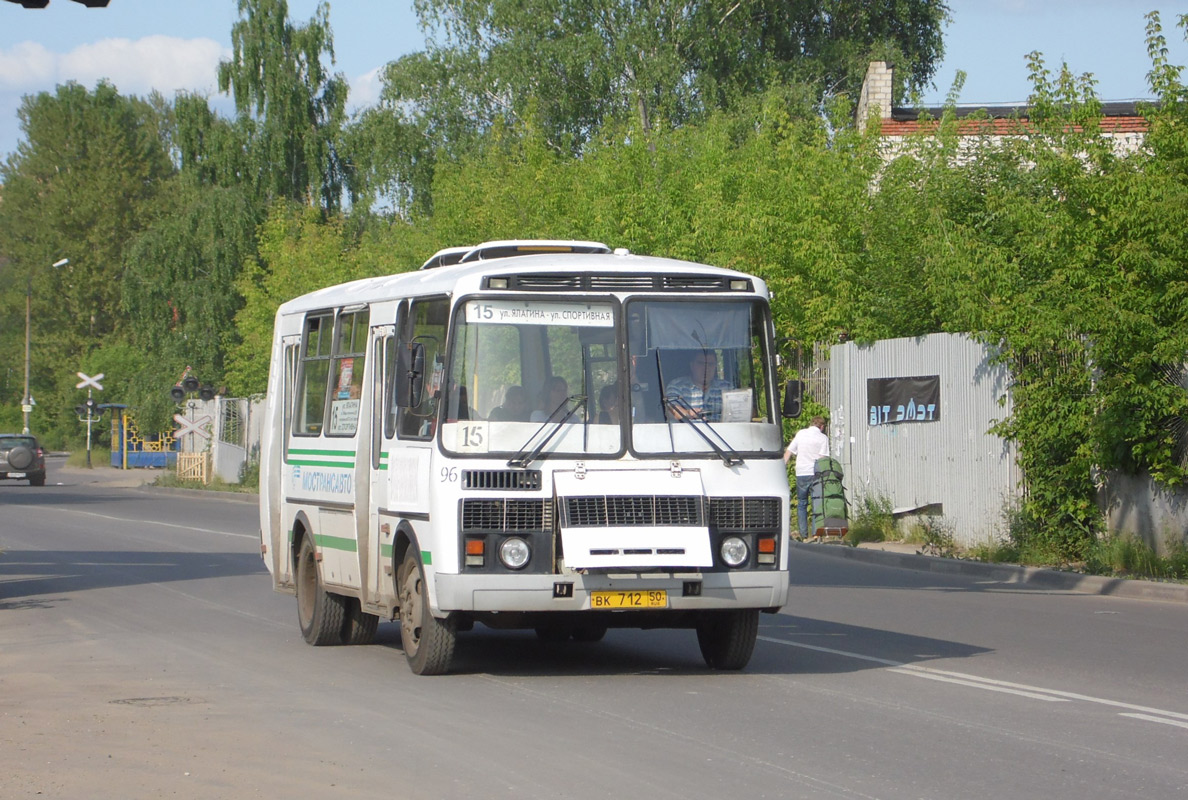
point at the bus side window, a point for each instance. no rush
(350, 361)
(314, 380)
(426, 327)
(291, 362)
(389, 372)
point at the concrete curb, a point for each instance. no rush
(1011, 573)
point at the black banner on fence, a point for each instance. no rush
(899, 400)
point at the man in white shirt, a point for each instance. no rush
(807, 445)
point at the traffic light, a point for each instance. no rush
(89, 407)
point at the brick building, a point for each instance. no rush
(1121, 119)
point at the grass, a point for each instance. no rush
(171, 481)
(1128, 556)
(1117, 556)
(78, 457)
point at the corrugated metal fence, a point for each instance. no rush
(948, 464)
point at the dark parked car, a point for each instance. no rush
(22, 457)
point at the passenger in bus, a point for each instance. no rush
(552, 397)
(700, 390)
(608, 404)
(515, 406)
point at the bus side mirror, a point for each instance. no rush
(793, 398)
(416, 375)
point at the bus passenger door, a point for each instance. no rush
(382, 414)
(274, 478)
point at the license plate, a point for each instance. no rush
(16, 474)
(649, 598)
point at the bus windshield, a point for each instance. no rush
(523, 370)
(700, 362)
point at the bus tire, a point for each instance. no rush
(428, 641)
(727, 638)
(358, 627)
(321, 614)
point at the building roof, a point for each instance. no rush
(1122, 119)
(1118, 117)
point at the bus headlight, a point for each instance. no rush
(514, 552)
(734, 551)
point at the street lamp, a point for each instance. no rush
(27, 403)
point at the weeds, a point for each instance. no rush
(249, 476)
(871, 521)
(171, 481)
(1128, 556)
(936, 537)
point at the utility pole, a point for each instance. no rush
(27, 402)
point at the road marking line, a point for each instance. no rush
(1162, 715)
(920, 672)
(1150, 718)
(154, 522)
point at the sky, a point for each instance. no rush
(168, 45)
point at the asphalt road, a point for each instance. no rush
(143, 654)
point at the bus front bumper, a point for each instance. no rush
(576, 592)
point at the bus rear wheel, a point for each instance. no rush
(321, 614)
(428, 641)
(359, 626)
(727, 638)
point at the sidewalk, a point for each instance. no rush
(111, 477)
(907, 556)
(101, 474)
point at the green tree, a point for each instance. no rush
(178, 290)
(77, 187)
(300, 250)
(570, 67)
(279, 82)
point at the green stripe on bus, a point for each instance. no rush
(301, 462)
(337, 543)
(386, 550)
(426, 557)
(310, 452)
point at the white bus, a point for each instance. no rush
(532, 435)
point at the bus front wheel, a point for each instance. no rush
(428, 641)
(727, 638)
(320, 613)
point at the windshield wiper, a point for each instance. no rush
(522, 459)
(679, 407)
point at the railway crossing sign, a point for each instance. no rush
(88, 382)
(187, 426)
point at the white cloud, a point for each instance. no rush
(27, 66)
(164, 63)
(365, 90)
